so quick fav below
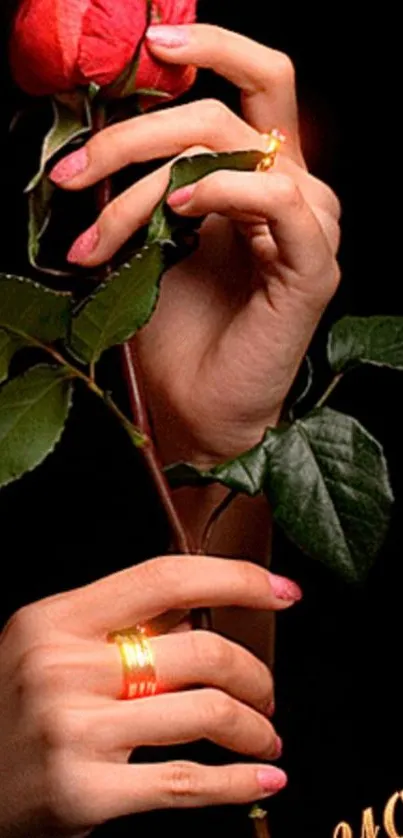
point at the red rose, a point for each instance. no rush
(58, 45)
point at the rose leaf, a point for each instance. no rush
(187, 170)
(120, 307)
(9, 345)
(71, 118)
(327, 481)
(33, 412)
(328, 484)
(366, 340)
(39, 213)
(31, 313)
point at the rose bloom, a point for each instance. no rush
(59, 45)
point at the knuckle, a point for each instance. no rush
(286, 190)
(325, 197)
(331, 202)
(213, 652)
(33, 670)
(213, 109)
(334, 278)
(24, 624)
(215, 116)
(283, 68)
(181, 781)
(222, 712)
(59, 728)
(165, 571)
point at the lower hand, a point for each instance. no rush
(65, 737)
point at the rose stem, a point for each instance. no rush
(261, 828)
(132, 374)
(133, 378)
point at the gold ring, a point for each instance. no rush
(274, 141)
(139, 675)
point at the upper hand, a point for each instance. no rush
(235, 319)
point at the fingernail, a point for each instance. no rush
(181, 196)
(285, 589)
(70, 166)
(271, 780)
(168, 36)
(271, 709)
(84, 245)
(278, 748)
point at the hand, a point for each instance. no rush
(235, 319)
(65, 738)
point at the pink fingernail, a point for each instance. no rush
(70, 166)
(271, 709)
(168, 36)
(278, 748)
(84, 245)
(181, 196)
(271, 780)
(285, 589)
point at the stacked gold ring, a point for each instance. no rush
(139, 675)
(274, 141)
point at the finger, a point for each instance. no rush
(204, 658)
(139, 593)
(188, 659)
(275, 199)
(101, 792)
(123, 217)
(134, 207)
(265, 76)
(154, 136)
(179, 718)
(181, 660)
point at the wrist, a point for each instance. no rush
(177, 442)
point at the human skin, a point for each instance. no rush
(235, 319)
(65, 735)
(219, 356)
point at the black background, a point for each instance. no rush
(82, 515)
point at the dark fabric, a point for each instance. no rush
(90, 511)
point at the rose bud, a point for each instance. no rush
(56, 47)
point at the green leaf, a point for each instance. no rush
(71, 118)
(31, 313)
(188, 170)
(33, 413)
(9, 345)
(366, 340)
(245, 474)
(153, 92)
(327, 481)
(127, 301)
(120, 307)
(39, 213)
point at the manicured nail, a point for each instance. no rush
(271, 780)
(168, 36)
(70, 166)
(285, 589)
(181, 196)
(84, 245)
(278, 748)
